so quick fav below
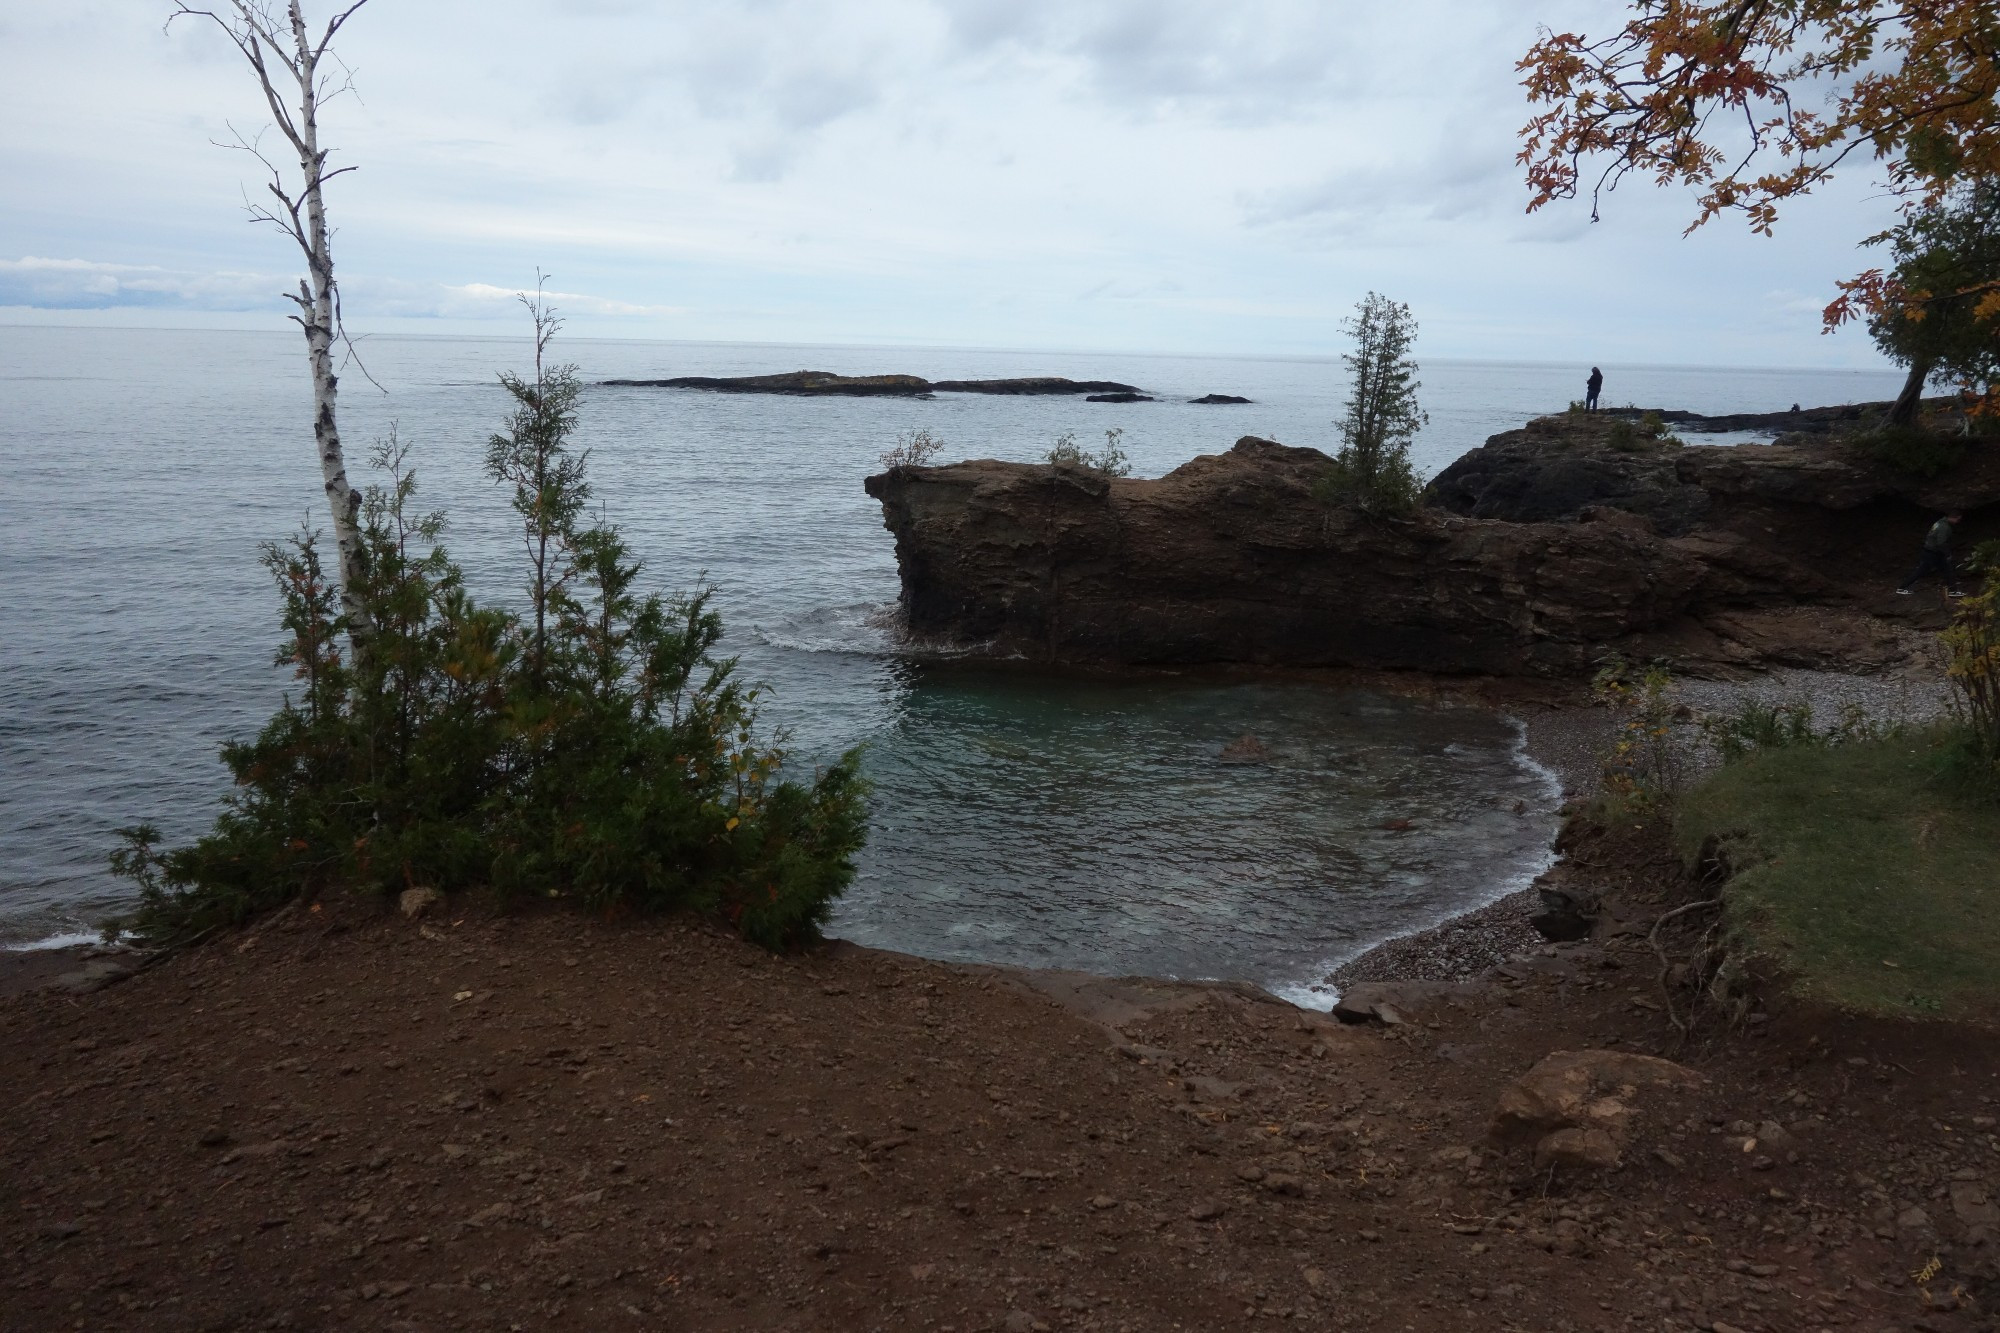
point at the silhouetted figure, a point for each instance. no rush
(1592, 387)
(1936, 557)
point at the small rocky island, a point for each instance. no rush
(825, 384)
(1532, 556)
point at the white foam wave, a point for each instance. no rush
(69, 939)
(1322, 994)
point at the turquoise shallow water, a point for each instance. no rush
(1024, 819)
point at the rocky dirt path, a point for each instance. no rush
(350, 1121)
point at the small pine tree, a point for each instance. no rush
(1372, 469)
(594, 748)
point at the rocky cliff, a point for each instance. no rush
(1542, 551)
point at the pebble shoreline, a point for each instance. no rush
(1569, 742)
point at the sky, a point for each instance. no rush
(1132, 175)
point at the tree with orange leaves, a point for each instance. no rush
(1753, 102)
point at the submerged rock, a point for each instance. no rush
(825, 383)
(1122, 396)
(1245, 750)
(803, 383)
(1213, 399)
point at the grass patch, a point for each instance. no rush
(1865, 873)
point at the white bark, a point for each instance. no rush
(287, 53)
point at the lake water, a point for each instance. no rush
(1019, 819)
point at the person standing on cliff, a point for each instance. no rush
(1936, 557)
(1592, 387)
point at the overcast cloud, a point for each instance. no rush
(1158, 175)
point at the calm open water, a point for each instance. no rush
(1020, 819)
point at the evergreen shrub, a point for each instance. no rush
(592, 748)
(1372, 470)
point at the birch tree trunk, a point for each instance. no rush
(287, 52)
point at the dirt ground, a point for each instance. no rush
(346, 1120)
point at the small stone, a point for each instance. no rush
(1206, 1211)
(1253, 1174)
(1577, 1149)
(414, 903)
(1775, 1139)
(1369, 1234)
(214, 1137)
(1973, 1207)
(1103, 1201)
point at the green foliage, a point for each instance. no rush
(594, 749)
(1972, 643)
(1644, 764)
(1111, 461)
(914, 448)
(1860, 870)
(1756, 726)
(1984, 559)
(1372, 469)
(1942, 320)
(1912, 450)
(1648, 432)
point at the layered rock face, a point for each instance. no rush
(1703, 555)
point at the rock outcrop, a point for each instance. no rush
(1229, 558)
(1217, 399)
(1540, 552)
(1555, 468)
(1847, 417)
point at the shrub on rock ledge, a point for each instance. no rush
(593, 748)
(1372, 470)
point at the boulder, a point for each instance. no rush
(1369, 1002)
(1216, 399)
(1563, 916)
(419, 902)
(1577, 1107)
(1393, 1003)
